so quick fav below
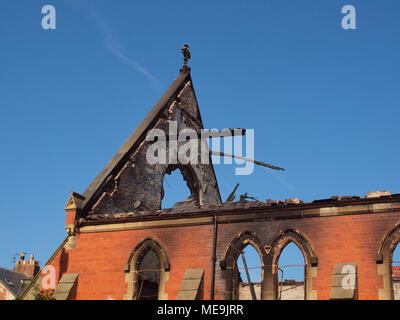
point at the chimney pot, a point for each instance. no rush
(29, 267)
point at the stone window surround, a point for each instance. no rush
(269, 255)
(384, 259)
(132, 266)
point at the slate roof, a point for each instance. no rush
(12, 280)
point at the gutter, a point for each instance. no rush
(214, 256)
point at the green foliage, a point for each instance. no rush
(40, 294)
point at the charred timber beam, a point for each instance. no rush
(231, 197)
(222, 154)
(253, 293)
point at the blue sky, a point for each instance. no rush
(323, 101)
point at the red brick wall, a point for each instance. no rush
(31, 268)
(3, 293)
(396, 271)
(99, 258)
(352, 238)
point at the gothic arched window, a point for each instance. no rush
(147, 271)
(291, 273)
(149, 276)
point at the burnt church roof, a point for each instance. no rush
(273, 207)
(130, 144)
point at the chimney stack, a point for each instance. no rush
(29, 267)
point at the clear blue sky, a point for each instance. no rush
(324, 102)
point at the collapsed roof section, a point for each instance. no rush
(293, 208)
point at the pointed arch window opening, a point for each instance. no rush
(249, 273)
(289, 288)
(149, 271)
(395, 268)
